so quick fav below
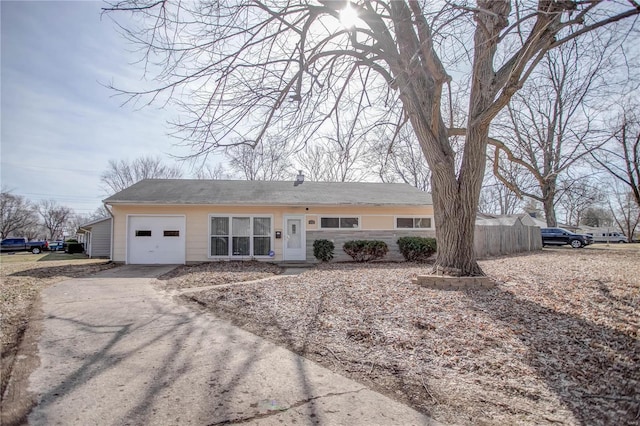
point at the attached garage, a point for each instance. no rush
(156, 239)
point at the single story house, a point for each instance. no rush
(96, 236)
(177, 221)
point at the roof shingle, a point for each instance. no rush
(242, 192)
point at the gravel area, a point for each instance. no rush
(217, 273)
(556, 342)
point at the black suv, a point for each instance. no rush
(560, 236)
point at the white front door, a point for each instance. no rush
(295, 243)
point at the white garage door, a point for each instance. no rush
(156, 240)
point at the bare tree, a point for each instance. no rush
(121, 174)
(597, 217)
(335, 158)
(399, 159)
(251, 69)
(267, 161)
(216, 172)
(547, 130)
(621, 156)
(17, 214)
(99, 213)
(625, 210)
(54, 217)
(578, 195)
(496, 198)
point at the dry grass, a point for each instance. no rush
(556, 342)
(217, 273)
(22, 277)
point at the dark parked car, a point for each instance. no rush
(560, 236)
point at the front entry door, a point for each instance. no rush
(294, 238)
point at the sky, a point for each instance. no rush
(59, 124)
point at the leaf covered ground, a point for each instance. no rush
(556, 342)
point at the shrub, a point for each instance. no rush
(75, 248)
(417, 249)
(323, 250)
(364, 250)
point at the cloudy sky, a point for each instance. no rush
(59, 125)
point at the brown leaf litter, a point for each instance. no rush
(557, 341)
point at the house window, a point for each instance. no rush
(171, 233)
(143, 233)
(413, 222)
(219, 236)
(261, 236)
(339, 222)
(240, 236)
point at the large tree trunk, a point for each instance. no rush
(455, 204)
(548, 198)
(455, 195)
(550, 212)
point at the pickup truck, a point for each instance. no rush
(21, 244)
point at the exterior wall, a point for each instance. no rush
(340, 237)
(100, 240)
(372, 218)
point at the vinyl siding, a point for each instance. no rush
(372, 218)
(101, 240)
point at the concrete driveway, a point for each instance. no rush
(116, 351)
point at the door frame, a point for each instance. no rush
(303, 233)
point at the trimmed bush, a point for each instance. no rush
(365, 250)
(75, 248)
(323, 250)
(417, 249)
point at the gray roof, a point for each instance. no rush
(242, 192)
(85, 227)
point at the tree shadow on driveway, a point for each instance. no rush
(121, 353)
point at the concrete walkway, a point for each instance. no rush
(116, 351)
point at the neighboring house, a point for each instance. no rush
(176, 221)
(96, 236)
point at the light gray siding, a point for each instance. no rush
(100, 243)
(339, 237)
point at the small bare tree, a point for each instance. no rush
(399, 159)
(621, 156)
(54, 217)
(216, 172)
(244, 70)
(267, 161)
(624, 209)
(497, 198)
(576, 196)
(121, 174)
(17, 214)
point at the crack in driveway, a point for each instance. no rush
(278, 411)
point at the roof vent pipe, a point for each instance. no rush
(299, 179)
